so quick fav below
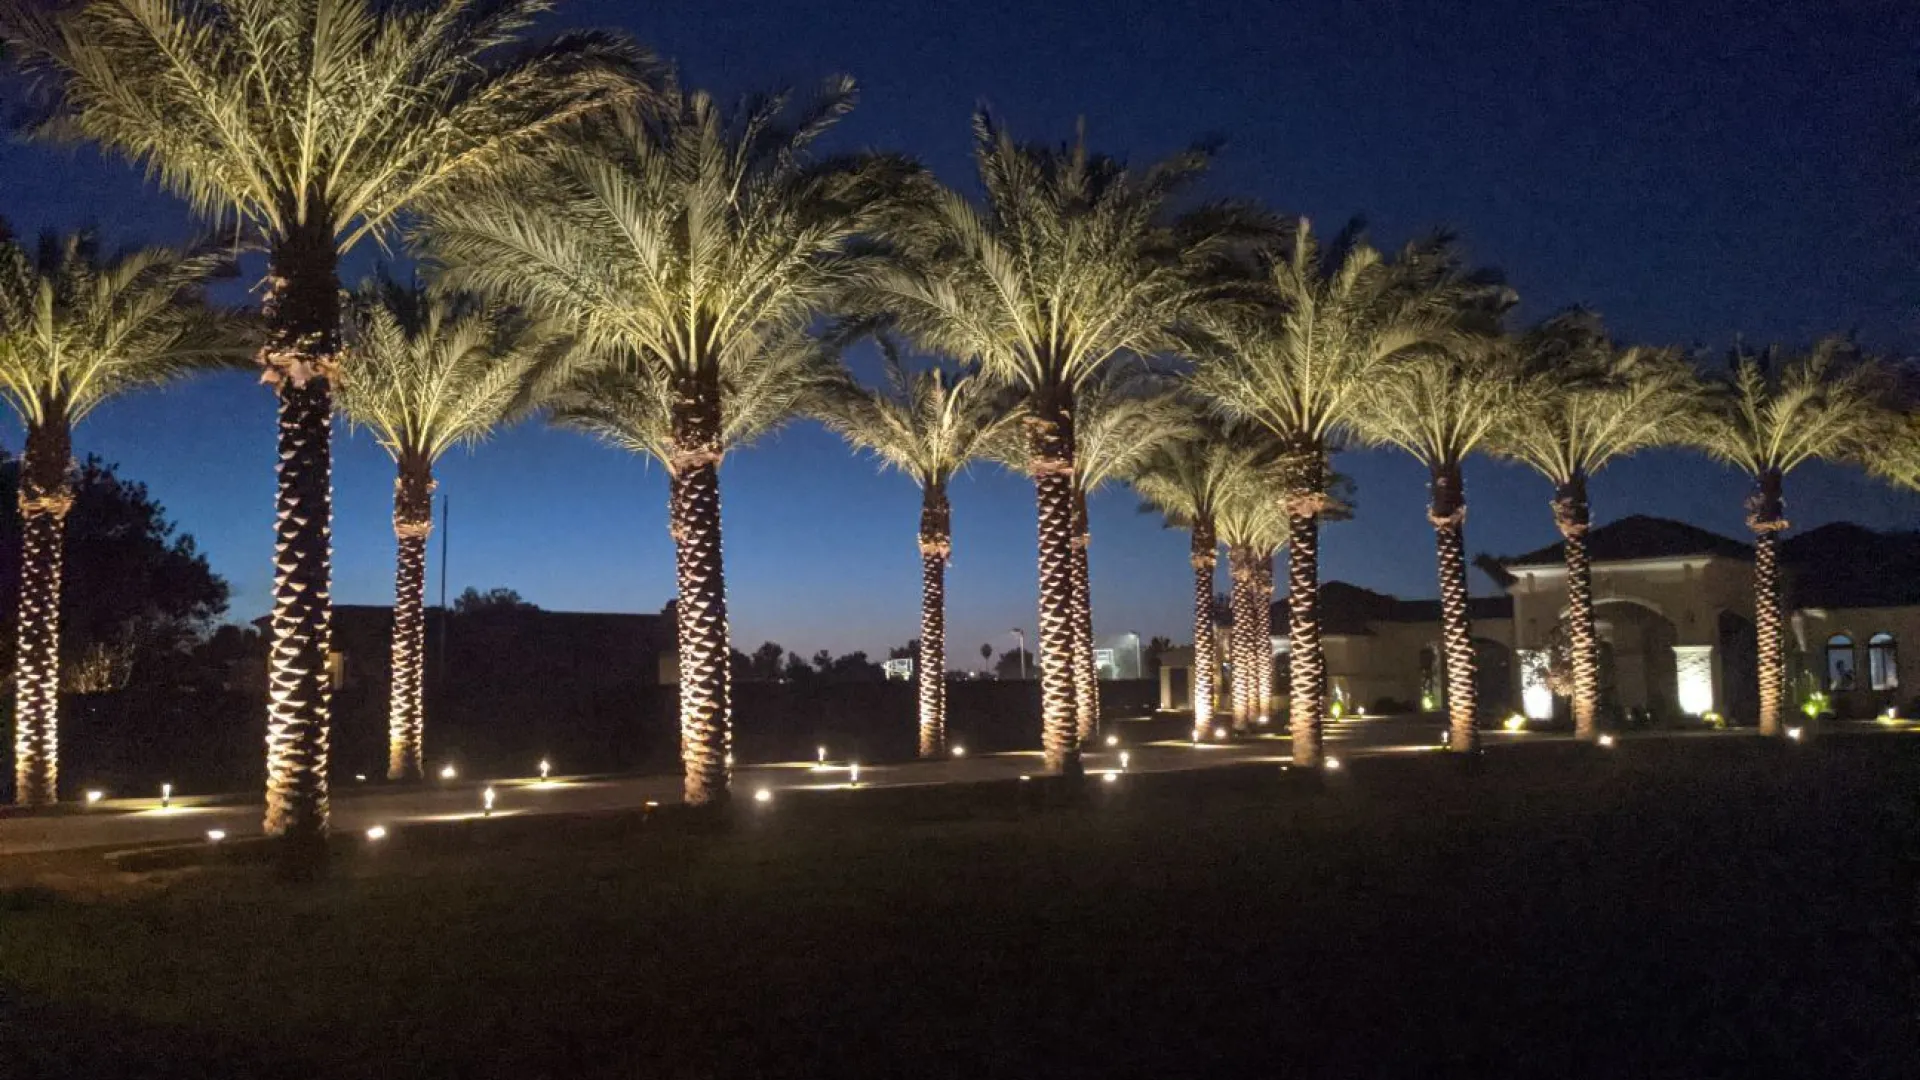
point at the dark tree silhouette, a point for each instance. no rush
(475, 602)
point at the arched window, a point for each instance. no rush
(1883, 667)
(1840, 662)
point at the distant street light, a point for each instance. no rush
(1021, 636)
(1139, 671)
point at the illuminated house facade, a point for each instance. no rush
(1674, 609)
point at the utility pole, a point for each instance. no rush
(1021, 636)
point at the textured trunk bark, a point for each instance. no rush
(1448, 513)
(1205, 662)
(706, 667)
(1571, 513)
(1307, 663)
(1263, 637)
(1050, 459)
(1240, 634)
(46, 494)
(936, 547)
(406, 711)
(1766, 516)
(302, 310)
(1086, 675)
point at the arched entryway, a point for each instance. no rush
(1637, 669)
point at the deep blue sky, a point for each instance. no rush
(1723, 169)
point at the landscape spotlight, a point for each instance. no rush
(1606, 740)
(214, 836)
(1112, 776)
(821, 754)
(763, 795)
(166, 796)
(1794, 733)
(486, 802)
(853, 773)
(546, 769)
(378, 832)
(959, 751)
(1333, 764)
(1123, 759)
(1220, 734)
(448, 772)
(95, 796)
(1113, 740)
(1516, 722)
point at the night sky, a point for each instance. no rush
(1727, 169)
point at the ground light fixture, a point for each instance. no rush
(1112, 777)
(95, 796)
(166, 796)
(853, 775)
(448, 772)
(214, 836)
(378, 832)
(1219, 734)
(1123, 759)
(1113, 740)
(1516, 722)
(1606, 741)
(486, 802)
(959, 751)
(546, 770)
(1333, 764)
(820, 755)
(1794, 733)
(764, 795)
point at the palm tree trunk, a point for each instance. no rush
(302, 310)
(1050, 460)
(1263, 637)
(46, 494)
(1766, 516)
(706, 661)
(1086, 675)
(1448, 514)
(1306, 661)
(1205, 662)
(406, 711)
(1240, 571)
(1572, 515)
(936, 547)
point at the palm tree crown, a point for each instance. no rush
(1774, 412)
(928, 425)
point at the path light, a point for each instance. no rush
(1123, 759)
(763, 795)
(378, 832)
(853, 774)
(652, 805)
(1516, 722)
(95, 796)
(820, 755)
(1333, 764)
(166, 796)
(1113, 740)
(486, 802)
(1112, 776)
(959, 751)
(360, 777)
(1794, 733)
(1262, 720)
(1606, 740)
(448, 772)
(1024, 776)
(1220, 734)
(214, 836)
(546, 769)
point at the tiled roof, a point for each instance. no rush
(1641, 537)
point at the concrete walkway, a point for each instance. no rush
(126, 823)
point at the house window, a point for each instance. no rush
(1839, 662)
(1883, 667)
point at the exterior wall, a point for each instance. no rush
(1810, 630)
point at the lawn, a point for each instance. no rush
(1679, 908)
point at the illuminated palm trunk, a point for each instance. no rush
(936, 547)
(1240, 599)
(1766, 516)
(706, 707)
(1306, 661)
(302, 310)
(1262, 653)
(46, 495)
(1448, 514)
(406, 711)
(1086, 675)
(1204, 557)
(1571, 514)
(1050, 460)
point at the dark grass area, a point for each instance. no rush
(1674, 909)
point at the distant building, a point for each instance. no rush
(1674, 609)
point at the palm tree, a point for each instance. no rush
(313, 123)
(432, 371)
(79, 327)
(1252, 522)
(1072, 260)
(1302, 364)
(928, 426)
(1593, 402)
(1771, 413)
(1189, 481)
(1440, 406)
(691, 246)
